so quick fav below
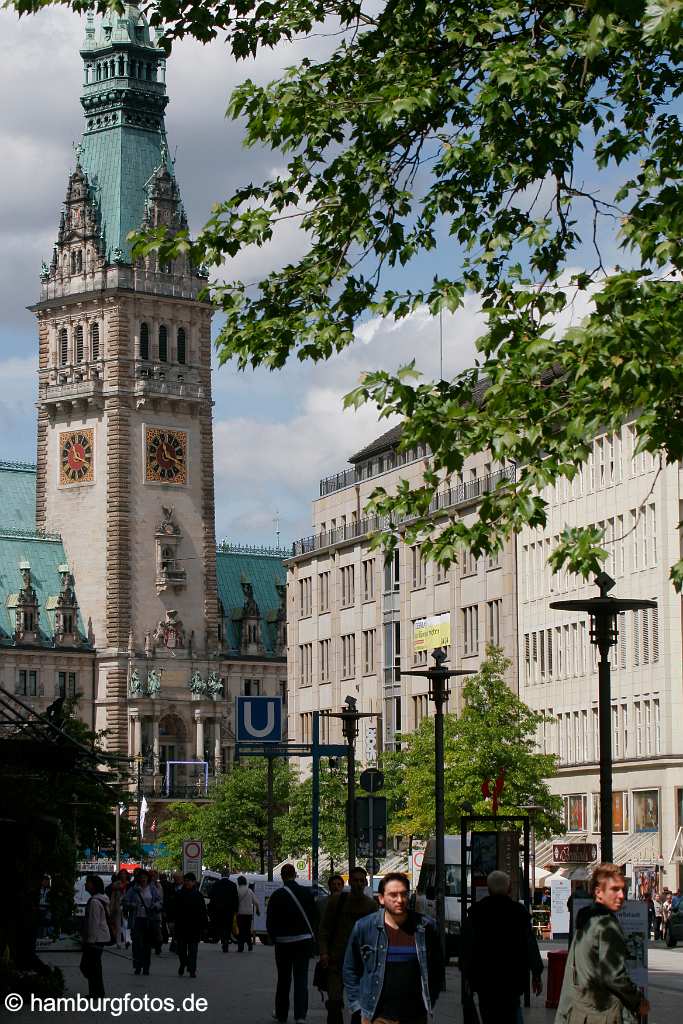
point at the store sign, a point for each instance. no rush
(432, 632)
(574, 853)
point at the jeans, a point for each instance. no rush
(91, 968)
(244, 932)
(291, 958)
(143, 937)
(187, 953)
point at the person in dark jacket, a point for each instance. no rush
(499, 951)
(223, 903)
(190, 920)
(393, 967)
(292, 922)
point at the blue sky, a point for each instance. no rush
(276, 433)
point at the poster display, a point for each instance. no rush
(432, 632)
(560, 891)
(646, 810)
(619, 811)
(633, 919)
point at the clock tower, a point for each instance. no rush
(125, 460)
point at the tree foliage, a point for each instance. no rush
(495, 733)
(526, 147)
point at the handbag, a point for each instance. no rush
(320, 978)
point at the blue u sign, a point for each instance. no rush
(259, 719)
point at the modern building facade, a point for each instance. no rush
(637, 501)
(124, 484)
(351, 617)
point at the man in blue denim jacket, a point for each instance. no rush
(393, 968)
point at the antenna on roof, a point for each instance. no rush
(276, 522)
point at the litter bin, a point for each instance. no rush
(557, 961)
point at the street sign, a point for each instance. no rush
(431, 632)
(259, 719)
(371, 826)
(371, 780)
(193, 851)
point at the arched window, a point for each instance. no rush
(63, 346)
(79, 343)
(120, 66)
(79, 259)
(163, 344)
(99, 72)
(94, 341)
(144, 341)
(182, 348)
(73, 261)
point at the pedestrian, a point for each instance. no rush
(222, 909)
(171, 890)
(393, 967)
(291, 923)
(96, 935)
(657, 903)
(44, 912)
(247, 904)
(161, 934)
(335, 884)
(651, 918)
(596, 983)
(190, 920)
(666, 913)
(342, 910)
(116, 892)
(498, 931)
(143, 905)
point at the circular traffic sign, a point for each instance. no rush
(371, 780)
(193, 850)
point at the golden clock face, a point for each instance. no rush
(76, 456)
(165, 455)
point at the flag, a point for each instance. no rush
(144, 807)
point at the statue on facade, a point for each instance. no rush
(153, 682)
(135, 687)
(197, 684)
(214, 685)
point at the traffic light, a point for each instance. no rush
(379, 826)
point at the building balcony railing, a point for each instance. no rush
(172, 388)
(71, 391)
(457, 494)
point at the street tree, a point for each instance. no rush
(520, 153)
(494, 738)
(296, 826)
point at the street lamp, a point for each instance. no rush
(438, 678)
(350, 717)
(604, 633)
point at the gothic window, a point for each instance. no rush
(99, 72)
(73, 262)
(182, 348)
(79, 254)
(163, 344)
(121, 66)
(63, 346)
(79, 343)
(144, 341)
(94, 341)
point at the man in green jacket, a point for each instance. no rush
(597, 988)
(342, 910)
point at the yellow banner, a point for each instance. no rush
(431, 632)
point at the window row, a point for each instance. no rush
(162, 352)
(347, 588)
(574, 736)
(637, 811)
(27, 684)
(564, 652)
(71, 344)
(612, 458)
(324, 664)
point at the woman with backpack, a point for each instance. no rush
(96, 935)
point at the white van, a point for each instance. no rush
(425, 901)
(262, 891)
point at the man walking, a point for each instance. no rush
(342, 910)
(596, 981)
(393, 968)
(223, 904)
(190, 920)
(291, 921)
(499, 951)
(143, 904)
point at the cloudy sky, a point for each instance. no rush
(276, 433)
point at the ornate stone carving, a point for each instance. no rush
(170, 632)
(198, 684)
(135, 686)
(214, 685)
(170, 573)
(153, 682)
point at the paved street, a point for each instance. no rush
(239, 988)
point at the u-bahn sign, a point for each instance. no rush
(259, 719)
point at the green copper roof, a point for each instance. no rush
(124, 141)
(263, 568)
(18, 495)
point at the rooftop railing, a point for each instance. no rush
(449, 497)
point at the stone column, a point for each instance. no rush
(217, 746)
(199, 742)
(137, 732)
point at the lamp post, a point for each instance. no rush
(532, 810)
(604, 633)
(350, 717)
(438, 677)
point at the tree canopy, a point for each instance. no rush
(522, 154)
(493, 738)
